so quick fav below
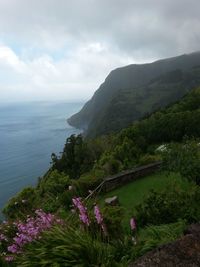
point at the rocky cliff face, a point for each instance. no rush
(184, 252)
(131, 92)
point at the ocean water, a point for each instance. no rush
(29, 133)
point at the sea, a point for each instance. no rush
(29, 133)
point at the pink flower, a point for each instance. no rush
(31, 230)
(99, 219)
(98, 215)
(84, 218)
(83, 215)
(133, 224)
(13, 248)
(76, 201)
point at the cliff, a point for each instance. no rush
(131, 92)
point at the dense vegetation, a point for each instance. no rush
(134, 193)
(85, 162)
(79, 233)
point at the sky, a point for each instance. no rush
(64, 49)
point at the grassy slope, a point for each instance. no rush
(133, 193)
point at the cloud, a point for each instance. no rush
(64, 49)
(73, 77)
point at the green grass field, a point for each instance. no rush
(133, 193)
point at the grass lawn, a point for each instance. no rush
(133, 193)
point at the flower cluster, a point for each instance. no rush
(98, 215)
(99, 218)
(133, 229)
(83, 214)
(29, 231)
(133, 224)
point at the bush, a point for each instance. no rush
(170, 205)
(108, 164)
(52, 189)
(87, 182)
(185, 159)
(147, 159)
(21, 204)
(54, 183)
(113, 216)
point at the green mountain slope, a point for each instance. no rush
(131, 92)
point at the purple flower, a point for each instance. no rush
(133, 224)
(13, 248)
(98, 215)
(76, 201)
(84, 218)
(30, 230)
(83, 215)
(99, 219)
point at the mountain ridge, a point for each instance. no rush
(135, 78)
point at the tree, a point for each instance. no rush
(75, 158)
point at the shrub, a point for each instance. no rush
(87, 182)
(185, 159)
(169, 205)
(21, 204)
(54, 183)
(147, 159)
(113, 216)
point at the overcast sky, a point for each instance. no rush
(64, 49)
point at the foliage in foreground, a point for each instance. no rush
(75, 247)
(88, 238)
(68, 247)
